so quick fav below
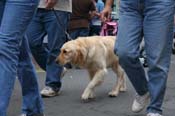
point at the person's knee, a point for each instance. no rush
(125, 55)
(8, 48)
(9, 54)
(121, 53)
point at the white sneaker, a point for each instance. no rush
(153, 114)
(140, 102)
(23, 115)
(49, 92)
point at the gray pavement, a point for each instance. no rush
(74, 82)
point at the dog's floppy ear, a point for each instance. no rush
(81, 54)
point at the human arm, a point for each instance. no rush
(105, 14)
(92, 9)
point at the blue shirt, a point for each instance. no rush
(100, 5)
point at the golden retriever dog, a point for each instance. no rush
(95, 54)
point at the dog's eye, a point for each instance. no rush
(64, 51)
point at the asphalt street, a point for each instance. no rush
(68, 103)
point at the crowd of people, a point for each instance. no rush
(25, 23)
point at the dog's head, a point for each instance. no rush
(71, 52)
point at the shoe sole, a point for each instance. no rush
(51, 95)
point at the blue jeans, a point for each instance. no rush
(81, 32)
(153, 20)
(32, 102)
(94, 30)
(14, 55)
(45, 23)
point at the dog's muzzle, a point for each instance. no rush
(57, 61)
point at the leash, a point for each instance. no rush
(60, 24)
(64, 30)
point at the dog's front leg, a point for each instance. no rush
(120, 81)
(96, 80)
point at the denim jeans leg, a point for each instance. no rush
(32, 102)
(81, 32)
(44, 23)
(56, 38)
(158, 33)
(35, 34)
(16, 17)
(127, 44)
(2, 5)
(74, 34)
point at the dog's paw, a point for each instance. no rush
(92, 96)
(122, 89)
(113, 94)
(87, 97)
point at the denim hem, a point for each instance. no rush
(154, 111)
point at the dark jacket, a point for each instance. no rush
(80, 16)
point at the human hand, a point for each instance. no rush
(50, 3)
(105, 14)
(94, 13)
